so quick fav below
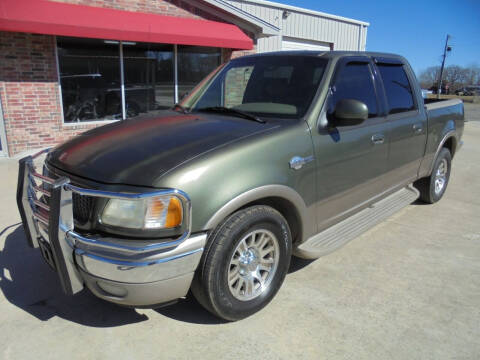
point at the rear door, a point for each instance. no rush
(407, 120)
(351, 160)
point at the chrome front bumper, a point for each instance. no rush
(128, 272)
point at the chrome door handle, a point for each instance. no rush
(297, 162)
(417, 128)
(378, 139)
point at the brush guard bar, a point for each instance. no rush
(52, 221)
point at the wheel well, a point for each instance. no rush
(450, 145)
(284, 207)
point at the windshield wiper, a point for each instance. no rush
(231, 111)
(180, 107)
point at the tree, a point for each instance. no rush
(454, 76)
(472, 75)
(429, 77)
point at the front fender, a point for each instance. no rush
(222, 181)
(263, 192)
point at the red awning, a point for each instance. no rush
(52, 18)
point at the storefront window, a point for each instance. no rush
(90, 76)
(194, 63)
(90, 79)
(149, 77)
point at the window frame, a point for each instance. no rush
(3, 138)
(339, 66)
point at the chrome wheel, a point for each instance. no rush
(253, 264)
(441, 176)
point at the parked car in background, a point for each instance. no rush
(471, 90)
(90, 97)
(271, 155)
(425, 93)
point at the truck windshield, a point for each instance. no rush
(271, 86)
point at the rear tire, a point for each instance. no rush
(433, 187)
(244, 263)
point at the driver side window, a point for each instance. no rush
(355, 81)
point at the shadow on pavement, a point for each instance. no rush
(419, 202)
(189, 310)
(298, 264)
(28, 283)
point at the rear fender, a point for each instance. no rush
(449, 132)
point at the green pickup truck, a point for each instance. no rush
(271, 155)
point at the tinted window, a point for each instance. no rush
(90, 79)
(194, 63)
(149, 83)
(397, 87)
(355, 82)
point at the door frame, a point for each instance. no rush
(3, 136)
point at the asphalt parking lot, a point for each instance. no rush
(407, 289)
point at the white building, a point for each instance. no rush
(304, 29)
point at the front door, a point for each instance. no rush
(351, 160)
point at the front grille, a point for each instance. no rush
(82, 207)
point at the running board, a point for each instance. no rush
(339, 234)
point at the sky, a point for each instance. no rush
(416, 29)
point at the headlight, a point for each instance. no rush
(159, 212)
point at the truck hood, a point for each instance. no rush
(139, 151)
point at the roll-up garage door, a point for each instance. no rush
(301, 44)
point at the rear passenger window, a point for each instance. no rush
(355, 82)
(397, 88)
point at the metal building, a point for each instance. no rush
(305, 29)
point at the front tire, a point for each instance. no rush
(244, 263)
(433, 187)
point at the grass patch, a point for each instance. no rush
(470, 99)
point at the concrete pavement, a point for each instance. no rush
(407, 289)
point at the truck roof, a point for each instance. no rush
(330, 54)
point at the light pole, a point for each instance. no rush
(445, 50)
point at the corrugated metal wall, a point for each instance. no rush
(342, 34)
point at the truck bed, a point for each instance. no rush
(431, 103)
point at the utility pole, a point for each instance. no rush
(445, 50)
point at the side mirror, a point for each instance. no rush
(349, 112)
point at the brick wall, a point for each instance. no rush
(29, 90)
(229, 54)
(29, 93)
(235, 85)
(164, 7)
